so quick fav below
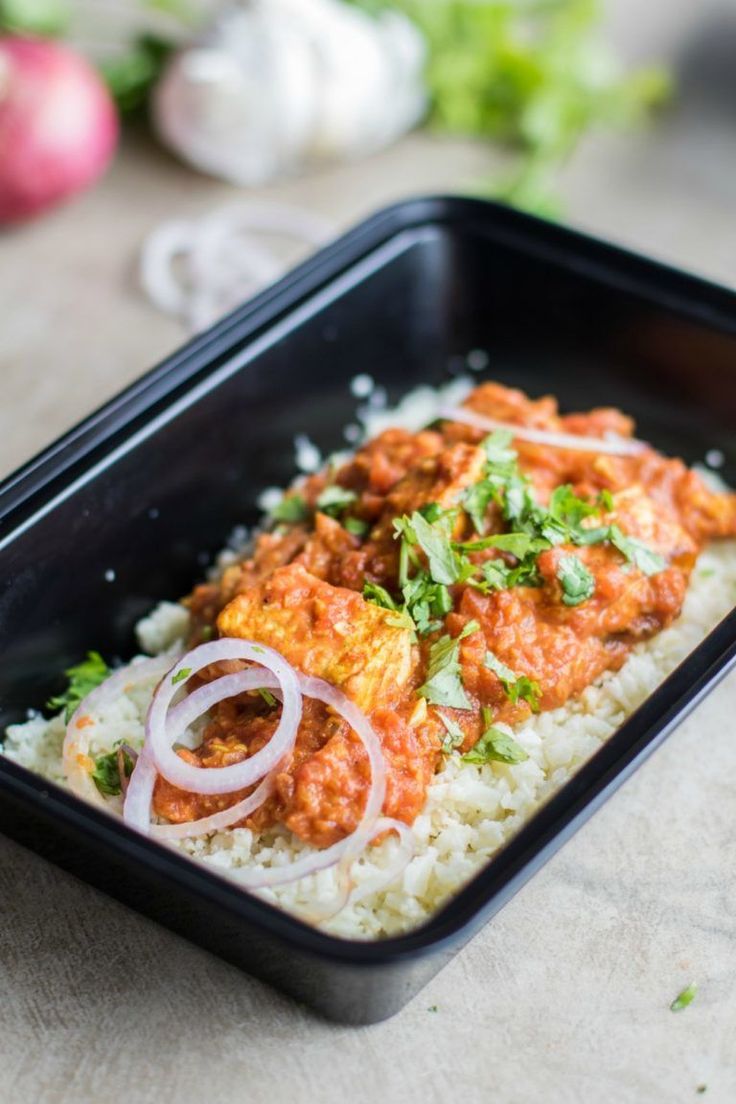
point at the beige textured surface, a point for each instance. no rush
(564, 997)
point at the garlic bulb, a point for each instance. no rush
(278, 84)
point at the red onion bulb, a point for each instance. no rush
(58, 126)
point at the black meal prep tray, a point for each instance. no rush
(158, 477)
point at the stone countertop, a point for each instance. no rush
(564, 996)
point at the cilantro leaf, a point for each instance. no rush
(526, 689)
(636, 552)
(683, 999)
(374, 592)
(106, 773)
(576, 581)
(82, 680)
(335, 499)
(435, 543)
(516, 687)
(291, 509)
(476, 500)
(504, 673)
(355, 526)
(495, 745)
(455, 734)
(444, 683)
(566, 507)
(181, 675)
(501, 459)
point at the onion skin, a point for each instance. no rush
(58, 126)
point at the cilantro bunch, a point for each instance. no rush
(533, 74)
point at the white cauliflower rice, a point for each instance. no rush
(471, 810)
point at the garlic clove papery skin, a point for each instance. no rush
(241, 105)
(279, 84)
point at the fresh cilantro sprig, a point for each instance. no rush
(534, 75)
(83, 678)
(495, 745)
(444, 685)
(290, 510)
(516, 687)
(334, 500)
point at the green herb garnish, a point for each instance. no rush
(576, 581)
(683, 999)
(291, 509)
(355, 526)
(516, 687)
(82, 680)
(455, 735)
(444, 684)
(335, 499)
(106, 774)
(268, 697)
(433, 539)
(636, 552)
(181, 675)
(495, 745)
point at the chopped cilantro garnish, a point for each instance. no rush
(335, 499)
(355, 526)
(576, 581)
(181, 675)
(516, 687)
(377, 594)
(82, 680)
(504, 673)
(567, 508)
(476, 500)
(267, 696)
(636, 552)
(106, 775)
(290, 509)
(605, 499)
(444, 684)
(495, 745)
(434, 541)
(501, 459)
(455, 734)
(683, 999)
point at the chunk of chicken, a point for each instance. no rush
(327, 631)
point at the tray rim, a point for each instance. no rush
(685, 294)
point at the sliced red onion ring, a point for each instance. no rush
(165, 722)
(347, 849)
(216, 821)
(139, 795)
(612, 443)
(238, 776)
(75, 752)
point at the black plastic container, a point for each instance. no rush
(118, 513)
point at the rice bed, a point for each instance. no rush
(471, 810)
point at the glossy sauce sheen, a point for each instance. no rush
(301, 593)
